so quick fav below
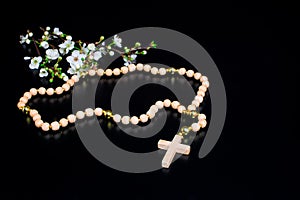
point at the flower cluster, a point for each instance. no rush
(79, 56)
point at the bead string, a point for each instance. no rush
(89, 112)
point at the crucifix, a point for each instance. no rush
(172, 148)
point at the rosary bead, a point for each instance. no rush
(36, 117)
(108, 72)
(92, 72)
(182, 71)
(197, 75)
(33, 112)
(100, 72)
(24, 100)
(205, 84)
(202, 88)
(59, 90)
(71, 118)
(125, 120)
(38, 123)
(66, 87)
(117, 118)
(80, 115)
(116, 72)
(98, 111)
(159, 104)
(195, 127)
(175, 104)
(190, 73)
(63, 122)
(50, 91)
(203, 78)
(134, 120)
(202, 123)
(167, 103)
(75, 78)
(139, 67)
(124, 70)
(33, 91)
(71, 82)
(89, 112)
(181, 108)
(201, 117)
(147, 68)
(144, 118)
(154, 70)
(162, 71)
(131, 67)
(42, 90)
(27, 95)
(45, 126)
(55, 126)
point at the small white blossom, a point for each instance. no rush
(69, 37)
(111, 53)
(46, 33)
(133, 56)
(27, 58)
(23, 38)
(97, 55)
(56, 31)
(47, 28)
(35, 62)
(30, 34)
(52, 54)
(66, 46)
(76, 59)
(84, 48)
(103, 43)
(45, 44)
(65, 77)
(117, 41)
(91, 46)
(43, 73)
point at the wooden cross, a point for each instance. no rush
(172, 148)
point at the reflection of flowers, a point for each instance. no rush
(35, 62)
(80, 56)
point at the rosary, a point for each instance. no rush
(171, 147)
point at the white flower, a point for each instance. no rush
(97, 55)
(91, 46)
(102, 50)
(65, 77)
(26, 58)
(47, 28)
(24, 39)
(69, 37)
(76, 59)
(66, 46)
(35, 62)
(45, 44)
(43, 73)
(111, 53)
(46, 33)
(133, 56)
(84, 49)
(56, 31)
(117, 41)
(30, 34)
(52, 54)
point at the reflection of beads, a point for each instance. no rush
(89, 112)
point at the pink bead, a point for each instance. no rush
(205, 83)
(203, 123)
(20, 105)
(116, 72)
(75, 78)
(92, 72)
(71, 82)
(50, 91)
(89, 112)
(134, 120)
(42, 90)
(159, 104)
(59, 90)
(131, 67)
(195, 127)
(143, 118)
(199, 98)
(63, 122)
(45, 126)
(124, 70)
(202, 88)
(66, 87)
(100, 72)
(117, 118)
(139, 67)
(33, 91)
(191, 107)
(147, 68)
(151, 114)
(36, 117)
(175, 104)
(108, 72)
(197, 75)
(80, 115)
(154, 70)
(125, 120)
(38, 123)
(33, 112)
(23, 99)
(181, 108)
(190, 73)
(203, 78)
(162, 71)
(181, 71)
(27, 95)
(196, 103)
(98, 111)
(167, 103)
(55, 126)
(201, 117)
(71, 118)
(201, 93)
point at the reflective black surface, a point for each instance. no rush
(254, 158)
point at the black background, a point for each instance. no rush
(256, 155)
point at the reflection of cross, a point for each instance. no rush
(172, 148)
